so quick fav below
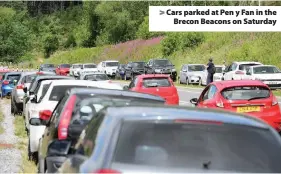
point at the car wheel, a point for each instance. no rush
(12, 108)
(187, 81)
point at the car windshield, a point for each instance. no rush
(48, 66)
(77, 66)
(245, 92)
(138, 64)
(59, 91)
(13, 77)
(266, 70)
(96, 77)
(218, 69)
(109, 64)
(163, 62)
(65, 65)
(196, 68)
(197, 146)
(156, 82)
(29, 78)
(122, 66)
(245, 66)
(95, 103)
(90, 66)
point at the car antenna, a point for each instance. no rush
(206, 165)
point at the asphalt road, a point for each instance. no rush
(187, 93)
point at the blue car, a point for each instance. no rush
(8, 82)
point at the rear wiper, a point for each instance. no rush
(152, 85)
(254, 98)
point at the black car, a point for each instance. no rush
(73, 113)
(161, 66)
(47, 67)
(158, 139)
(133, 69)
(120, 72)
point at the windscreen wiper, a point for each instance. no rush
(255, 98)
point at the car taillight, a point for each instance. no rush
(20, 86)
(239, 72)
(107, 171)
(274, 101)
(39, 73)
(45, 114)
(66, 117)
(6, 82)
(219, 104)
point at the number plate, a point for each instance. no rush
(248, 109)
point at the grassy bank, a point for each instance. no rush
(27, 166)
(1, 120)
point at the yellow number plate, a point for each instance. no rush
(248, 109)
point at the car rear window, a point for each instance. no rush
(96, 77)
(245, 92)
(65, 65)
(245, 66)
(193, 146)
(13, 77)
(266, 70)
(29, 78)
(59, 91)
(76, 66)
(90, 66)
(156, 82)
(196, 68)
(218, 69)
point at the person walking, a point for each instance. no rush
(211, 71)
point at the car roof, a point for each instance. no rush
(53, 76)
(263, 66)
(13, 73)
(176, 112)
(153, 75)
(247, 62)
(114, 92)
(97, 84)
(234, 83)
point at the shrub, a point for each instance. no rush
(51, 44)
(169, 44)
(70, 42)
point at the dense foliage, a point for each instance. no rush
(30, 28)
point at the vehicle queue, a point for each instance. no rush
(78, 120)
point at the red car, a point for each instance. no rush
(156, 84)
(63, 69)
(251, 97)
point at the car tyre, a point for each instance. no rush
(12, 109)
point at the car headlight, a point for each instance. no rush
(173, 70)
(157, 70)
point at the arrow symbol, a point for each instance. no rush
(161, 12)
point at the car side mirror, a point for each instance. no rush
(25, 89)
(194, 101)
(33, 99)
(126, 87)
(59, 148)
(35, 121)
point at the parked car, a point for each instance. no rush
(87, 68)
(161, 66)
(74, 70)
(73, 112)
(159, 84)
(217, 76)
(193, 74)
(237, 70)
(47, 103)
(63, 69)
(133, 69)
(29, 90)
(8, 82)
(268, 74)
(251, 97)
(120, 72)
(108, 67)
(157, 139)
(47, 67)
(97, 76)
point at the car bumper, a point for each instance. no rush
(194, 79)
(172, 100)
(111, 73)
(54, 163)
(19, 96)
(6, 91)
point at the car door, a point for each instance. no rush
(230, 71)
(249, 74)
(182, 73)
(207, 98)
(51, 129)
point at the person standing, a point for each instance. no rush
(211, 71)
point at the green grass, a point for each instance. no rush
(27, 166)
(1, 120)
(277, 92)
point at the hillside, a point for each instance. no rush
(263, 47)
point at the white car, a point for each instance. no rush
(217, 76)
(269, 74)
(73, 71)
(108, 67)
(97, 76)
(237, 70)
(87, 68)
(48, 101)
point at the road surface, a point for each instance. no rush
(187, 93)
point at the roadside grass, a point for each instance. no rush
(27, 166)
(1, 120)
(277, 92)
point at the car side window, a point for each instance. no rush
(248, 71)
(233, 67)
(133, 82)
(210, 93)
(57, 111)
(183, 68)
(103, 64)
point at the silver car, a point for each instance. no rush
(192, 74)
